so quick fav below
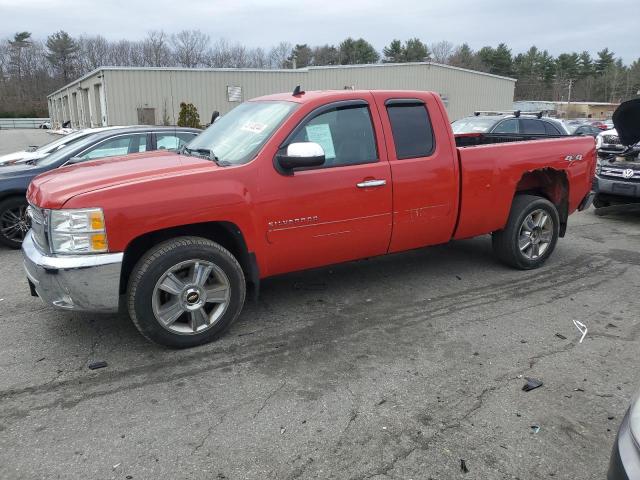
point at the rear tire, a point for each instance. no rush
(185, 292)
(14, 222)
(530, 235)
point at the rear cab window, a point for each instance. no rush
(411, 128)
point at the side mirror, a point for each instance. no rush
(301, 155)
(73, 160)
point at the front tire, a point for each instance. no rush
(14, 221)
(530, 235)
(185, 292)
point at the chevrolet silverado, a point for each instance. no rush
(283, 183)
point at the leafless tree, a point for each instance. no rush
(155, 49)
(441, 51)
(190, 48)
(279, 55)
(94, 52)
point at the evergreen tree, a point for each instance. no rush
(394, 53)
(62, 54)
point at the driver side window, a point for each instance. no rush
(116, 146)
(345, 134)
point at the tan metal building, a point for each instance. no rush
(125, 96)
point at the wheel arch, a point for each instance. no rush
(551, 184)
(225, 233)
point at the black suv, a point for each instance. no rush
(516, 123)
(14, 180)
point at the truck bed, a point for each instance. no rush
(491, 174)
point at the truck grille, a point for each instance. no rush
(39, 227)
(611, 139)
(622, 173)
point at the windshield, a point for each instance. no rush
(473, 124)
(63, 152)
(65, 140)
(236, 137)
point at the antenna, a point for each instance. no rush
(297, 91)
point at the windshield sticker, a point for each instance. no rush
(321, 134)
(254, 127)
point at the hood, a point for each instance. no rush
(21, 157)
(13, 156)
(54, 188)
(626, 120)
(21, 170)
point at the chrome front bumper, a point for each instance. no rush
(89, 283)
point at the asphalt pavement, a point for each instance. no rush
(395, 367)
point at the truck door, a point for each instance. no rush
(424, 168)
(337, 212)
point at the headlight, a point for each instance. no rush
(599, 141)
(598, 166)
(78, 231)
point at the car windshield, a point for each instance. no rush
(236, 137)
(473, 124)
(58, 142)
(63, 151)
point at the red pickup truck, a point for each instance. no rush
(283, 183)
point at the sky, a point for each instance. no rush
(556, 25)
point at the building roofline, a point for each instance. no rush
(558, 102)
(435, 64)
(270, 70)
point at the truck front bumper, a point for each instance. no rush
(89, 283)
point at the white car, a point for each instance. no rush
(25, 156)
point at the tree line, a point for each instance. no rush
(31, 68)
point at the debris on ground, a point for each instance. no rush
(610, 417)
(578, 389)
(458, 277)
(282, 430)
(560, 336)
(40, 359)
(532, 383)
(463, 466)
(97, 364)
(582, 328)
(611, 325)
(535, 428)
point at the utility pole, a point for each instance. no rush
(569, 97)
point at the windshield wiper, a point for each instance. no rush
(206, 153)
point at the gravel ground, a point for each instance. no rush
(394, 367)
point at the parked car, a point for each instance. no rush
(283, 183)
(586, 130)
(515, 123)
(45, 125)
(600, 124)
(116, 141)
(624, 463)
(35, 152)
(618, 169)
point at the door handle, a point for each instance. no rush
(371, 183)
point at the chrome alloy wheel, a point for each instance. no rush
(536, 234)
(15, 223)
(191, 297)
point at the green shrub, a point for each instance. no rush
(188, 116)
